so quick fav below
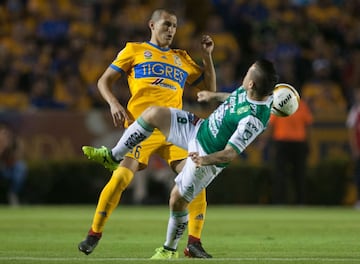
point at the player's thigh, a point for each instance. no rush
(183, 127)
(192, 180)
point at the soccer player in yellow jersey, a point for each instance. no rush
(156, 76)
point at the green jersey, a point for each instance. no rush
(237, 122)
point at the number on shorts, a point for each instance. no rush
(182, 120)
(136, 151)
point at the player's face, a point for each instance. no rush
(163, 30)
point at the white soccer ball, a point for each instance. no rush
(286, 100)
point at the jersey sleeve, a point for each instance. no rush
(247, 130)
(124, 59)
(196, 74)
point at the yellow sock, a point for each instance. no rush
(110, 197)
(197, 210)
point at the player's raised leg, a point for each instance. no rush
(153, 117)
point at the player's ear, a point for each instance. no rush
(251, 84)
(151, 24)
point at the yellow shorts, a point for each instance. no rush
(157, 144)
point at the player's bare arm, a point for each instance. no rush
(207, 47)
(206, 96)
(105, 83)
(224, 156)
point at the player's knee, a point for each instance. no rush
(153, 114)
(179, 205)
(149, 114)
(177, 202)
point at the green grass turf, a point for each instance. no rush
(233, 234)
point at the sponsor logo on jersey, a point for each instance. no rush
(216, 119)
(247, 135)
(160, 82)
(249, 131)
(212, 126)
(232, 102)
(147, 55)
(242, 97)
(252, 127)
(161, 70)
(243, 109)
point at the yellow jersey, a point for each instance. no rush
(156, 76)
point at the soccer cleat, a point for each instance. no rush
(162, 253)
(101, 155)
(89, 244)
(195, 250)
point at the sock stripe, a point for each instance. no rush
(179, 214)
(144, 124)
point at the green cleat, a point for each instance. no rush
(162, 253)
(101, 155)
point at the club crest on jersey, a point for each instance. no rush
(177, 60)
(147, 55)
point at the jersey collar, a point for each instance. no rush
(157, 47)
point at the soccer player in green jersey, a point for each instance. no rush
(212, 143)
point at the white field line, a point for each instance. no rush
(64, 259)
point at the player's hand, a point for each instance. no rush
(119, 114)
(204, 96)
(196, 158)
(207, 44)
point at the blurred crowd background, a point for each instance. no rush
(52, 53)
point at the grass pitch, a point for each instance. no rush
(233, 234)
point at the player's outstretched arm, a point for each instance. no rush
(206, 96)
(105, 83)
(224, 156)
